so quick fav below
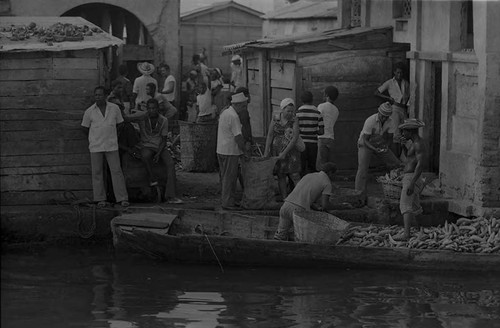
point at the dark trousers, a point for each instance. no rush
(228, 168)
(308, 158)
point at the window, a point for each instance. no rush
(355, 13)
(467, 26)
(401, 9)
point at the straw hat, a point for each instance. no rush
(411, 123)
(145, 68)
(385, 109)
(285, 102)
(235, 58)
(238, 98)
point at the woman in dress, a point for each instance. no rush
(281, 142)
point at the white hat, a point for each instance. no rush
(145, 68)
(238, 98)
(285, 102)
(236, 57)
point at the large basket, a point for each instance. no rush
(392, 189)
(317, 227)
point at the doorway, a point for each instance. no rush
(435, 120)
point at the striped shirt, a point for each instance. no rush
(310, 121)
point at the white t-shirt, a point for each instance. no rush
(102, 133)
(205, 103)
(140, 87)
(330, 114)
(309, 189)
(229, 127)
(373, 126)
(169, 96)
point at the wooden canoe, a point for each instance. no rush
(209, 237)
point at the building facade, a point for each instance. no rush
(454, 61)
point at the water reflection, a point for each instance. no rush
(90, 288)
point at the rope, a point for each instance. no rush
(76, 203)
(199, 229)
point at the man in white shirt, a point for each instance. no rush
(139, 93)
(170, 86)
(99, 122)
(330, 114)
(374, 140)
(310, 189)
(230, 146)
(399, 96)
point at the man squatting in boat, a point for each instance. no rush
(310, 189)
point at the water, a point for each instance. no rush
(92, 288)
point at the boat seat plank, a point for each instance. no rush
(148, 220)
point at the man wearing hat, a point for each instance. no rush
(409, 203)
(374, 140)
(230, 146)
(139, 93)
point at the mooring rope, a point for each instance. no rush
(71, 198)
(199, 227)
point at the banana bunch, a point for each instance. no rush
(479, 235)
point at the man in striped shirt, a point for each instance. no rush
(310, 126)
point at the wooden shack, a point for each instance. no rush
(355, 60)
(214, 26)
(44, 91)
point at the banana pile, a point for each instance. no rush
(479, 235)
(58, 32)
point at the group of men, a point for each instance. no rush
(380, 132)
(108, 124)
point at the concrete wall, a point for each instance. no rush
(279, 28)
(161, 18)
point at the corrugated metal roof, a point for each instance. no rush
(304, 10)
(272, 43)
(219, 6)
(95, 41)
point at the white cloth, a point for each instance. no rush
(400, 95)
(374, 126)
(330, 114)
(102, 133)
(309, 189)
(170, 96)
(205, 103)
(229, 127)
(140, 87)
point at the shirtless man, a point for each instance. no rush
(409, 203)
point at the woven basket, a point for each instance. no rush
(317, 227)
(392, 189)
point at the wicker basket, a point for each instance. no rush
(392, 189)
(317, 227)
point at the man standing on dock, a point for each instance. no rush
(330, 114)
(374, 140)
(99, 122)
(416, 153)
(310, 189)
(230, 146)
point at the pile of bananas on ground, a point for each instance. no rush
(479, 235)
(396, 175)
(58, 32)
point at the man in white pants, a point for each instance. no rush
(99, 122)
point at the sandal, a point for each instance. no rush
(101, 204)
(124, 203)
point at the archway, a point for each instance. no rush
(139, 45)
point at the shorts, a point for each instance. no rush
(411, 203)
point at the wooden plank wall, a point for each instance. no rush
(43, 96)
(357, 74)
(281, 77)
